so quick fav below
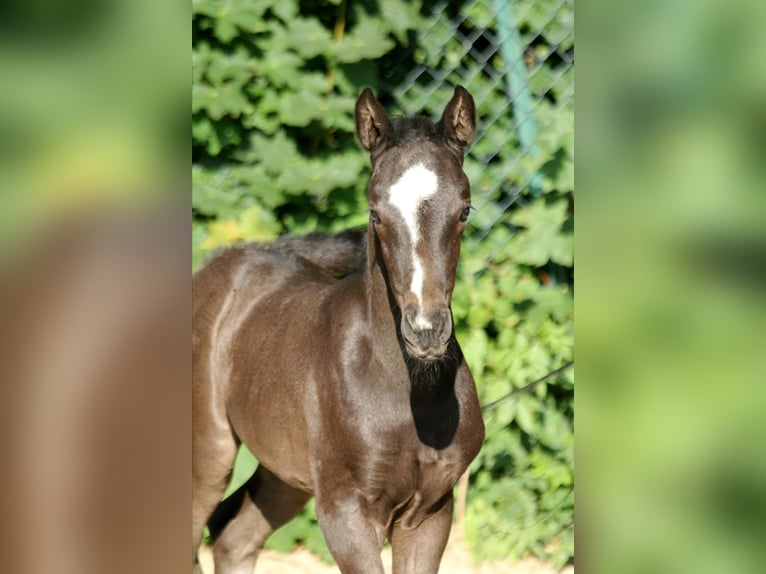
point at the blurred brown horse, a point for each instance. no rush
(354, 391)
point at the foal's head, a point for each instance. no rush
(419, 202)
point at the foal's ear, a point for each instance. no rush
(372, 125)
(459, 118)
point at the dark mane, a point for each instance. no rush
(338, 254)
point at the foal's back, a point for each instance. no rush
(245, 278)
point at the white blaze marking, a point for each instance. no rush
(415, 185)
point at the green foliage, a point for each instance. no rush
(274, 151)
(274, 86)
(244, 467)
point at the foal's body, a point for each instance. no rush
(315, 376)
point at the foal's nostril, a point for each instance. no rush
(446, 325)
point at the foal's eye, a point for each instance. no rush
(374, 216)
(465, 213)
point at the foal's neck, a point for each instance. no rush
(383, 311)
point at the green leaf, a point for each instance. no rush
(231, 16)
(314, 38)
(258, 224)
(282, 67)
(366, 40)
(276, 153)
(225, 99)
(526, 414)
(212, 193)
(542, 239)
(299, 109)
(475, 347)
(402, 16)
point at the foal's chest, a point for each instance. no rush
(434, 473)
(439, 469)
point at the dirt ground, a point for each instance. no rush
(457, 560)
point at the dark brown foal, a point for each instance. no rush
(351, 390)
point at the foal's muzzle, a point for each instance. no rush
(426, 334)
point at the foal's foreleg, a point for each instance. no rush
(214, 448)
(267, 503)
(419, 550)
(353, 537)
(212, 465)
